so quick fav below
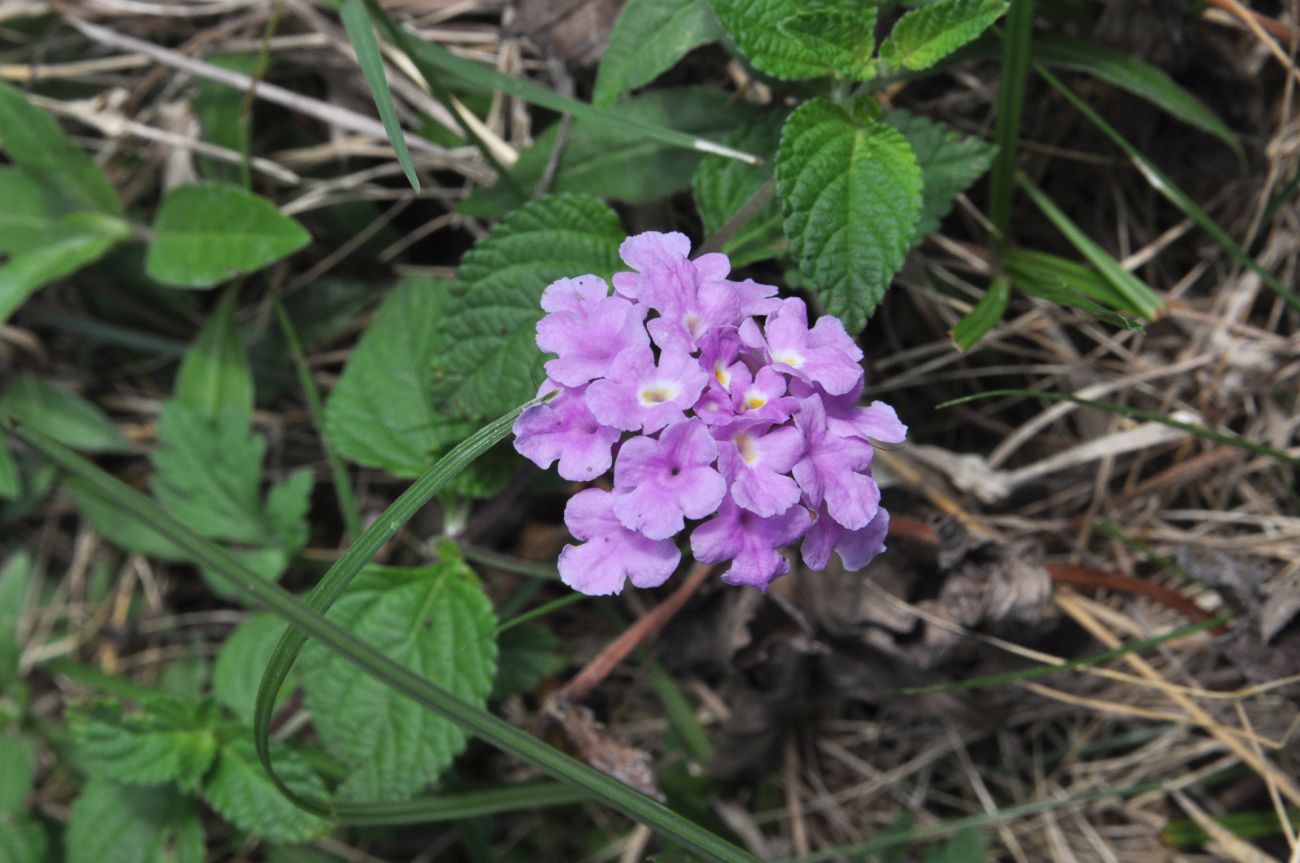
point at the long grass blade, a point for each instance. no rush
(1016, 46)
(356, 20)
(311, 623)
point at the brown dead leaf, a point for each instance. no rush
(627, 764)
(575, 31)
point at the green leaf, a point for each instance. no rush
(62, 414)
(18, 758)
(186, 677)
(28, 215)
(209, 233)
(755, 27)
(23, 840)
(357, 22)
(965, 846)
(112, 823)
(240, 789)
(167, 741)
(240, 661)
(11, 479)
(615, 163)
(925, 36)
(950, 162)
(69, 248)
(1134, 75)
(489, 330)
(843, 39)
(985, 316)
(219, 108)
(214, 378)
(437, 622)
(15, 577)
(648, 38)
(528, 654)
(33, 141)
(121, 530)
(381, 413)
(852, 197)
(723, 186)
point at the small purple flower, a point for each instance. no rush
(565, 429)
(610, 553)
(846, 418)
(586, 329)
(637, 394)
(749, 541)
(760, 397)
(856, 548)
(658, 484)
(755, 460)
(646, 250)
(824, 355)
(835, 469)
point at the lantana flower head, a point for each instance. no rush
(732, 426)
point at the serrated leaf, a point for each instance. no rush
(61, 414)
(356, 20)
(925, 36)
(67, 250)
(208, 233)
(381, 413)
(852, 197)
(723, 186)
(755, 27)
(436, 621)
(239, 788)
(950, 162)
(240, 661)
(648, 38)
(33, 141)
(489, 330)
(528, 654)
(843, 39)
(620, 164)
(112, 823)
(214, 377)
(166, 741)
(23, 840)
(18, 760)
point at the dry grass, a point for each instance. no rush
(1227, 355)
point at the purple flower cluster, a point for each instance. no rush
(756, 428)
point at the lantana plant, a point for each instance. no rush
(716, 404)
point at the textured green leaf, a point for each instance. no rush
(489, 329)
(381, 413)
(166, 741)
(436, 621)
(208, 233)
(239, 788)
(18, 773)
(62, 414)
(528, 654)
(1134, 75)
(214, 378)
(723, 186)
(68, 249)
(621, 164)
(925, 36)
(852, 197)
(648, 38)
(357, 22)
(755, 27)
(11, 479)
(112, 823)
(843, 39)
(33, 141)
(950, 162)
(240, 662)
(23, 840)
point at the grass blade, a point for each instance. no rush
(985, 316)
(312, 623)
(1011, 98)
(1137, 297)
(1166, 187)
(356, 20)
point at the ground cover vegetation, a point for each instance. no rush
(664, 429)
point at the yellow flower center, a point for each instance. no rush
(658, 393)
